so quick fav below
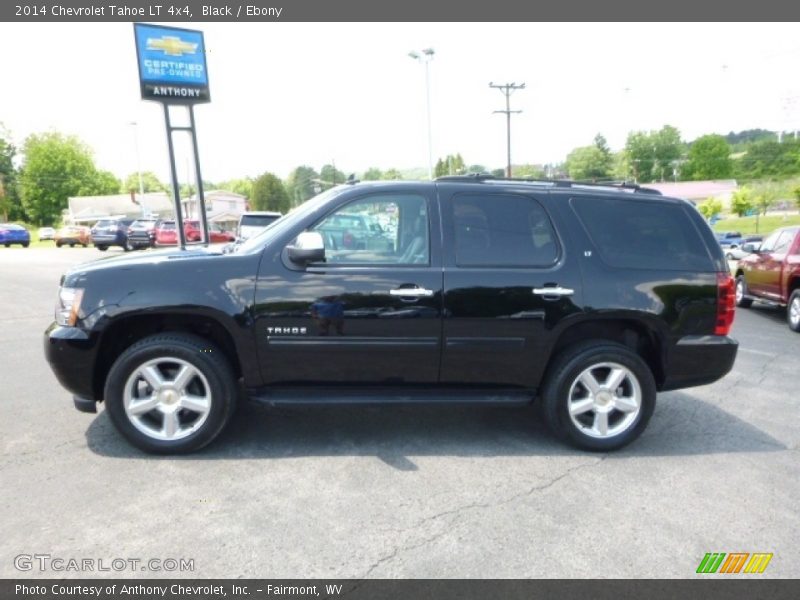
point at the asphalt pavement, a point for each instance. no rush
(390, 492)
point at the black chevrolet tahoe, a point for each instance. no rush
(584, 300)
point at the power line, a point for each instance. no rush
(508, 89)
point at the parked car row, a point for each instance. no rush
(130, 234)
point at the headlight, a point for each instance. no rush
(68, 306)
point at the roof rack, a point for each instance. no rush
(560, 183)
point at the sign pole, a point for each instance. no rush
(173, 72)
(200, 193)
(176, 192)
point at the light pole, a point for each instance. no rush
(135, 126)
(426, 57)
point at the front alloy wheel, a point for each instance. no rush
(170, 393)
(167, 398)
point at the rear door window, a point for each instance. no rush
(643, 234)
(501, 230)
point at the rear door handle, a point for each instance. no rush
(411, 292)
(553, 291)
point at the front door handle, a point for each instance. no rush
(411, 292)
(553, 291)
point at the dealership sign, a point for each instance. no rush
(172, 64)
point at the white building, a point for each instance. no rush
(83, 210)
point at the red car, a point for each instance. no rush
(167, 233)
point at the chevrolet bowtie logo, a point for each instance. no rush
(171, 46)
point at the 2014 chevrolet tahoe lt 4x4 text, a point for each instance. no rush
(584, 299)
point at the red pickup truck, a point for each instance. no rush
(772, 273)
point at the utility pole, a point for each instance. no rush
(508, 89)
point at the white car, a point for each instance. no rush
(46, 233)
(252, 222)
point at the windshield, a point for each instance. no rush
(258, 220)
(256, 243)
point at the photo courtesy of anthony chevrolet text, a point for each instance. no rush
(399, 301)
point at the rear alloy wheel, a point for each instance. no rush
(741, 293)
(599, 396)
(793, 311)
(170, 393)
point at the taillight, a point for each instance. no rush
(726, 303)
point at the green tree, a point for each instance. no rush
(302, 184)
(796, 192)
(55, 168)
(330, 175)
(150, 183)
(242, 186)
(440, 169)
(372, 174)
(653, 154)
(528, 171)
(769, 158)
(392, 174)
(588, 163)
(710, 207)
(476, 169)
(107, 183)
(709, 158)
(500, 173)
(269, 194)
(742, 201)
(765, 195)
(10, 208)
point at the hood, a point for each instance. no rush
(134, 260)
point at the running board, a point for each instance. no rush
(377, 396)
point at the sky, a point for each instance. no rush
(287, 94)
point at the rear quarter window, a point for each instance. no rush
(643, 234)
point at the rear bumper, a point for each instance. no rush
(107, 240)
(699, 360)
(71, 353)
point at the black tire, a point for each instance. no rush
(793, 311)
(102, 248)
(741, 289)
(7, 245)
(72, 244)
(59, 244)
(85, 245)
(194, 350)
(564, 372)
(25, 244)
(729, 256)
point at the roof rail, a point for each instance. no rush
(560, 183)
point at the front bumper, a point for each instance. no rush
(699, 360)
(71, 353)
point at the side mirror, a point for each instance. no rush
(309, 247)
(750, 248)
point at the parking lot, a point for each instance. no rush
(399, 491)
